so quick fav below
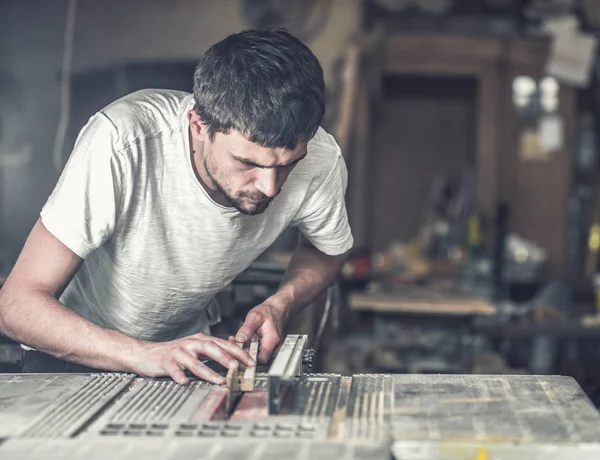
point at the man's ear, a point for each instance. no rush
(197, 128)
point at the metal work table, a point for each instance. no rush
(409, 417)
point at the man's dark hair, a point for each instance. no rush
(266, 84)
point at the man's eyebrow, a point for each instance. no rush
(247, 162)
(257, 165)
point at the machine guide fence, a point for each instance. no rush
(286, 368)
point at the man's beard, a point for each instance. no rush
(260, 200)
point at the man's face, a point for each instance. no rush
(248, 175)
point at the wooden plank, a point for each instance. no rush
(451, 51)
(422, 67)
(442, 47)
(241, 379)
(247, 383)
(400, 304)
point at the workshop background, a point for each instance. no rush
(470, 133)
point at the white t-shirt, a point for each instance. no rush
(156, 247)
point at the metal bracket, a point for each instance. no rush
(287, 366)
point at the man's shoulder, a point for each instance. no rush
(146, 113)
(323, 155)
(322, 165)
(324, 144)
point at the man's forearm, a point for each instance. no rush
(38, 320)
(310, 271)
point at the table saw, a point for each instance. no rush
(293, 414)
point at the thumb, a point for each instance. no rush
(249, 328)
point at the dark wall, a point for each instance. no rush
(422, 128)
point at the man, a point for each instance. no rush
(168, 196)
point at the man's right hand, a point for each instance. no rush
(157, 359)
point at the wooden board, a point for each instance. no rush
(247, 383)
(414, 304)
(241, 379)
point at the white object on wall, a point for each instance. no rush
(572, 53)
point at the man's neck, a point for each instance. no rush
(197, 158)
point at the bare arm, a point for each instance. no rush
(31, 314)
(310, 271)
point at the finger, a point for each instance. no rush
(252, 323)
(197, 368)
(269, 340)
(231, 338)
(214, 351)
(240, 337)
(176, 372)
(235, 351)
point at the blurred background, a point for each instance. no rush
(469, 128)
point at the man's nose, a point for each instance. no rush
(266, 182)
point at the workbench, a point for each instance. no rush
(372, 416)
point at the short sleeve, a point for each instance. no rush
(83, 208)
(323, 218)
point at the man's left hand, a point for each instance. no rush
(266, 321)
